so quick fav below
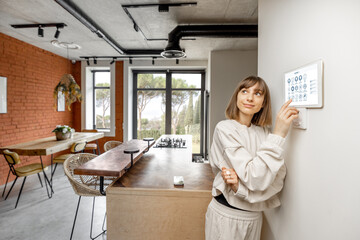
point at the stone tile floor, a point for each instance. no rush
(39, 218)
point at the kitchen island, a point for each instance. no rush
(145, 204)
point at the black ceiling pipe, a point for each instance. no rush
(173, 49)
(89, 23)
(228, 31)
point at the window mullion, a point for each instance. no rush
(202, 116)
(135, 90)
(168, 104)
(94, 100)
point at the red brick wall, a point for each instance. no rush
(32, 74)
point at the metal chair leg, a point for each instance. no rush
(92, 218)
(40, 180)
(46, 185)
(98, 146)
(22, 185)
(104, 222)
(46, 180)
(7, 179)
(77, 209)
(11, 187)
(53, 172)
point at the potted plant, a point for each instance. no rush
(63, 132)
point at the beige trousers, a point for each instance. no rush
(224, 223)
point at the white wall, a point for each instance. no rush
(321, 198)
(160, 64)
(227, 69)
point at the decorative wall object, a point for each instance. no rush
(3, 95)
(69, 88)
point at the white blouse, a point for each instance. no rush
(256, 156)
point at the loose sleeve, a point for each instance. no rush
(255, 173)
(260, 196)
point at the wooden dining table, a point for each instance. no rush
(49, 146)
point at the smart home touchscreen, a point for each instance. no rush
(304, 86)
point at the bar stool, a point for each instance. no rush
(131, 151)
(148, 140)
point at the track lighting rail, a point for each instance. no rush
(90, 24)
(43, 25)
(40, 27)
(162, 7)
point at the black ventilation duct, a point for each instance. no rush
(173, 49)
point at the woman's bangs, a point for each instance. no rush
(248, 83)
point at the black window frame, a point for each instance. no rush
(168, 91)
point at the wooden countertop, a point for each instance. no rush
(113, 162)
(156, 170)
(49, 145)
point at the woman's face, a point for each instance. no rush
(250, 100)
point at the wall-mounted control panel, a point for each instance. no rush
(304, 86)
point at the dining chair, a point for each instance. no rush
(92, 146)
(84, 185)
(111, 144)
(76, 147)
(13, 159)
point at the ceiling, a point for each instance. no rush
(110, 16)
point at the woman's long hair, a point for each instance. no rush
(261, 118)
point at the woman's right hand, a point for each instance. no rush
(230, 178)
(284, 119)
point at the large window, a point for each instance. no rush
(169, 102)
(101, 104)
(98, 88)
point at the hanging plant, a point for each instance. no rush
(69, 88)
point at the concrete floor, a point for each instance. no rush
(38, 217)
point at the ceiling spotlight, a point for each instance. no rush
(40, 31)
(95, 61)
(87, 61)
(57, 33)
(112, 61)
(130, 60)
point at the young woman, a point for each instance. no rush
(247, 162)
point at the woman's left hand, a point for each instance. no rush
(230, 178)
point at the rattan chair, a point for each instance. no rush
(111, 144)
(75, 148)
(12, 158)
(84, 185)
(92, 146)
